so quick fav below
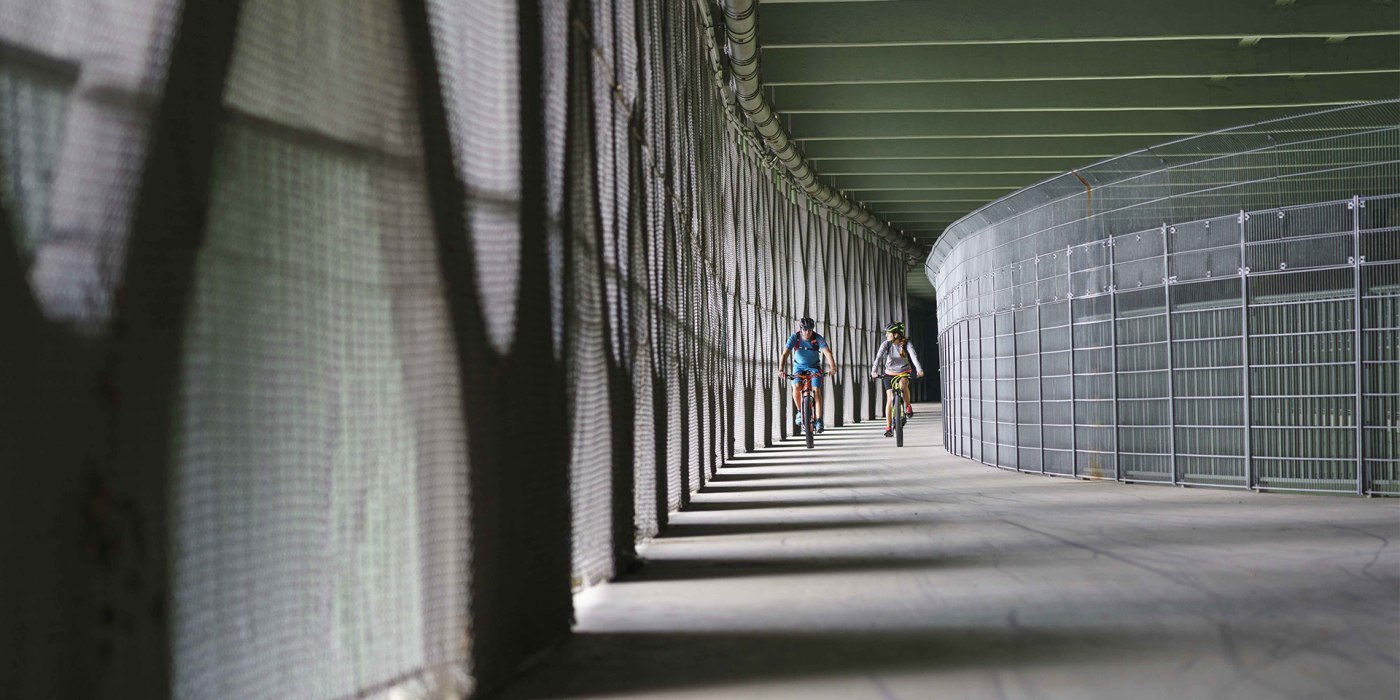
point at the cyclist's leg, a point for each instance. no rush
(817, 396)
(796, 400)
(889, 400)
(904, 388)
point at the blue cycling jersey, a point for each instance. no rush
(806, 354)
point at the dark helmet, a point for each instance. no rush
(895, 327)
(806, 324)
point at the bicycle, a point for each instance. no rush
(896, 403)
(804, 383)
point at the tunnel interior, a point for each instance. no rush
(384, 349)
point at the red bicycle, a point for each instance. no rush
(809, 401)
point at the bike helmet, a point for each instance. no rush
(896, 327)
(806, 324)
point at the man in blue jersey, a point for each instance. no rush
(806, 347)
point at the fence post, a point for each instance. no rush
(1040, 377)
(1244, 356)
(967, 375)
(1359, 340)
(1171, 381)
(1113, 357)
(1073, 421)
(996, 390)
(1015, 383)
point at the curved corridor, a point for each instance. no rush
(861, 570)
(443, 350)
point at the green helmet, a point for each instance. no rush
(896, 327)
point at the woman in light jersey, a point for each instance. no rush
(897, 356)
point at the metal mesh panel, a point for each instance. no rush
(78, 81)
(318, 437)
(1202, 312)
(440, 307)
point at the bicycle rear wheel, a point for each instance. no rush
(897, 406)
(807, 420)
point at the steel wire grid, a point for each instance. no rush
(329, 481)
(1221, 310)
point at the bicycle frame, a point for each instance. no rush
(896, 380)
(894, 407)
(807, 401)
(804, 382)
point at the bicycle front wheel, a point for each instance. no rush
(898, 407)
(807, 420)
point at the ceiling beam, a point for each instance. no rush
(895, 209)
(1087, 150)
(1174, 94)
(915, 228)
(857, 183)
(1237, 169)
(1028, 62)
(930, 166)
(1008, 125)
(972, 196)
(1021, 21)
(874, 201)
(1215, 201)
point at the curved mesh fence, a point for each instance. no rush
(1221, 310)
(346, 338)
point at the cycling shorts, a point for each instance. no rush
(888, 380)
(815, 372)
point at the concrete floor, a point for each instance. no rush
(860, 570)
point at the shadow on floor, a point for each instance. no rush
(713, 506)
(728, 477)
(615, 663)
(827, 485)
(711, 569)
(677, 530)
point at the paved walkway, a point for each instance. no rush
(860, 570)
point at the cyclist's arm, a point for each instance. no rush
(830, 359)
(914, 357)
(783, 360)
(879, 358)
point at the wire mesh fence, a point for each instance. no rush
(1221, 311)
(343, 340)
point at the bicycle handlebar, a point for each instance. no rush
(786, 374)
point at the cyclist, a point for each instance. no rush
(896, 355)
(806, 347)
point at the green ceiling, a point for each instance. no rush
(923, 110)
